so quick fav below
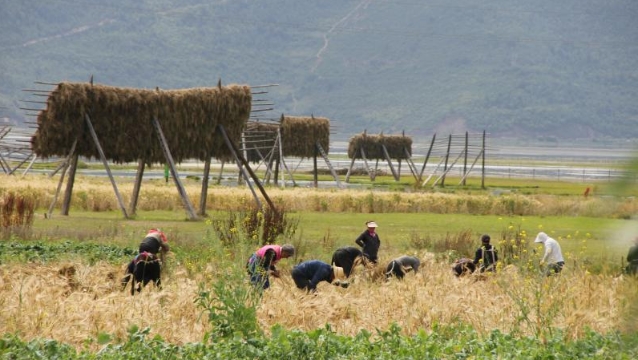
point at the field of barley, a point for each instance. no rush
(60, 274)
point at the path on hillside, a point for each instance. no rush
(333, 28)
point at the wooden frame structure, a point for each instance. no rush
(380, 147)
(292, 136)
(202, 123)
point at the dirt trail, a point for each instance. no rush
(333, 28)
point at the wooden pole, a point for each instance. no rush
(354, 157)
(447, 155)
(325, 158)
(20, 164)
(465, 160)
(221, 172)
(314, 167)
(66, 203)
(242, 161)
(387, 158)
(204, 194)
(427, 157)
(30, 165)
(483, 166)
(64, 168)
(171, 164)
(471, 167)
(137, 185)
(106, 164)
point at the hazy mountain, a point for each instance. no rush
(530, 69)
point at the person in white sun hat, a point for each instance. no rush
(310, 273)
(369, 242)
(553, 256)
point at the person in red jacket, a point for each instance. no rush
(262, 263)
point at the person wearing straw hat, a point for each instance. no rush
(632, 259)
(553, 256)
(369, 242)
(310, 273)
(262, 263)
(486, 256)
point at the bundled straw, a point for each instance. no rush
(122, 118)
(299, 135)
(371, 144)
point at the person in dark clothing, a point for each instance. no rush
(347, 258)
(369, 242)
(486, 256)
(262, 263)
(401, 266)
(310, 273)
(146, 266)
(632, 259)
(463, 266)
(155, 242)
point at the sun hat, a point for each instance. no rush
(372, 224)
(338, 273)
(541, 237)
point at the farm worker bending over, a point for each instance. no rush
(155, 242)
(369, 241)
(401, 266)
(309, 273)
(262, 263)
(145, 267)
(486, 256)
(632, 259)
(553, 256)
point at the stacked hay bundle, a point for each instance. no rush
(299, 135)
(259, 139)
(122, 118)
(371, 145)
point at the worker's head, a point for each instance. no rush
(287, 250)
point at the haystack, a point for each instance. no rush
(372, 146)
(122, 118)
(299, 135)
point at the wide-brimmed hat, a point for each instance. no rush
(541, 237)
(338, 273)
(372, 224)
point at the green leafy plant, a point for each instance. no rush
(230, 306)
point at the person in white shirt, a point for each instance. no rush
(553, 256)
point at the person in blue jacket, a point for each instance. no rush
(310, 273)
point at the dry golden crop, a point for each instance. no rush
(75, 302)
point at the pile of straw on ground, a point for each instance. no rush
(299, 135)
(396, 145)
(122, 118)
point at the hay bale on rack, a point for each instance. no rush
(371, 144)
(300, 133)
(122, 118)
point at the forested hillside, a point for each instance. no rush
(526, 69)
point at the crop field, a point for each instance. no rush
(61, 297)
